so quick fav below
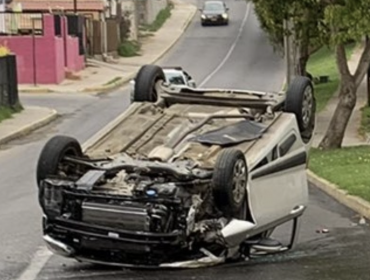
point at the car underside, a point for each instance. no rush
(171, 185)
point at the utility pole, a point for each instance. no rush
(75, 6)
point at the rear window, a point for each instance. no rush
(175, 78)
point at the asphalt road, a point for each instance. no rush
(237, 56)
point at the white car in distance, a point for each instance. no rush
(176, 76)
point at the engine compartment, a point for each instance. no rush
(131, 201)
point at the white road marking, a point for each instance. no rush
(222, 63)
(43, 255)
(38, 261)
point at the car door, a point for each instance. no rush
(278, 184)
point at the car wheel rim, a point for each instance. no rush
(239, 181)
(307, 105)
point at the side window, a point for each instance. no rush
(287, 144)
(273, 155)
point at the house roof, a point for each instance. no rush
(45, 5)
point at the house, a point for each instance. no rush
(91, 8)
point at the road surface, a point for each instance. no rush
(236, 56)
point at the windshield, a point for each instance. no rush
(175, 78)
(213, 6)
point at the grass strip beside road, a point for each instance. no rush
(322, 63)
(348, 168)
(161, 18)
(6, 113)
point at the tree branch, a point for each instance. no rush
(363, 64)
(342, 62)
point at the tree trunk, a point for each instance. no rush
(347, 96)
(303, 59)
(338, 124)
(347, 101)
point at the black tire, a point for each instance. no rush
(52, 154)
(223, 182)
(300, 95)
(145, 82)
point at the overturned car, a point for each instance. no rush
(187, 177)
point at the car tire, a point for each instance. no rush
(229, 181)
(52, 154)
(300, 100)
(145, 82)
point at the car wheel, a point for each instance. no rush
(145, 82)
(52, 154)
(230, 177)
(300, 100)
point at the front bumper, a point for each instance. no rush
(101, 244)
(214, 20)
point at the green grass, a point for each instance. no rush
(347, 167)
(6, 113)
(116, 79)
(322, 63)
(161, 18)
(129, 49)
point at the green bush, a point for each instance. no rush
(129, 49)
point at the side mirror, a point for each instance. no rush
(200, 10)
(227, 9)
(192, 84)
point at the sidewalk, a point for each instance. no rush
(101, 76)
(22, 123)
(351, 137)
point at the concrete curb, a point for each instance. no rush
(109, 87)
(355, 203)
(27, 129)
(36, 90)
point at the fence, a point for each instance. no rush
(8, 81)
(112, 35)
(17, 23)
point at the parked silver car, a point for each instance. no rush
(188, 178)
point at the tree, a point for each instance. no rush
(344, 21)
(305, 15)
(324, 22)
